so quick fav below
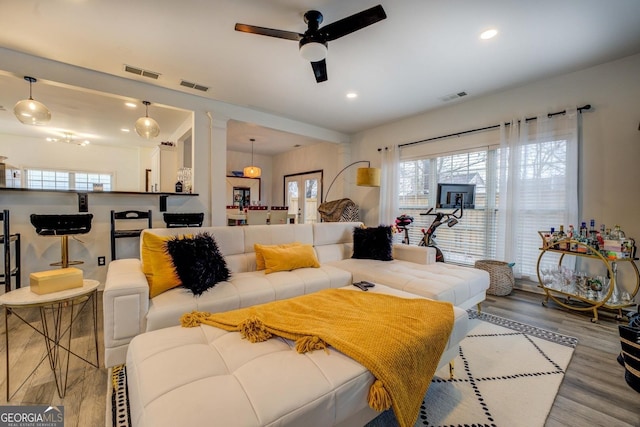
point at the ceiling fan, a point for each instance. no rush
(313, 43)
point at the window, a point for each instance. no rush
(525, 182)
(84, 181)
(66, 180)
(473, 237)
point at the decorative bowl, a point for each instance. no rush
(237, 173)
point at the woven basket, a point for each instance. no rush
(500, 274)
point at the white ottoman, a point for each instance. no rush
(208, 376)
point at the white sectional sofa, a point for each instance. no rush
(128, 310)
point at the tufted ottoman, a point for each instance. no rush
(208, 376)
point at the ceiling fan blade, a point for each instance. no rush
(353, 23)
(281, 34)
(320, 70)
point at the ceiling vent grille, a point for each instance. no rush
(453, 96)
(141, 72)
(193, 86)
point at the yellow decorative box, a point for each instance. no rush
(45, 282)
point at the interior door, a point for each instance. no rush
(302, 194)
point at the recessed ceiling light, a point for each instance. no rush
(125, 130)
(352, 95)
(489, 34)
(130, 104)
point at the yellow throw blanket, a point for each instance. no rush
(400, 341)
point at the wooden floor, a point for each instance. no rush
(593, 392)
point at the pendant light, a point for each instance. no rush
(252, 171)
(31, 112)
(146, 127)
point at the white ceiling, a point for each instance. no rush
(425, 50)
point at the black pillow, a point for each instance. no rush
(372, 243)
(198, 262)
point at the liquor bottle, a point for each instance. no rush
(593, 239)
(554, 237)
(571, 235)
(562, 239)
(583, 238)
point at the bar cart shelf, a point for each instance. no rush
(580, 292)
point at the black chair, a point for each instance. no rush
(135, 217)
(63, 226)
(174, 220)
(8, 272)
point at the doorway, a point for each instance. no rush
(302, 194)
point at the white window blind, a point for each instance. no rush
(473, 237)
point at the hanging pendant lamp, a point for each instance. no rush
(31, 112)
(252, 171)
(146, 127)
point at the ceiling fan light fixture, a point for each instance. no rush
(145, 126)
(31, 112)
(252, 171)
(313, 51)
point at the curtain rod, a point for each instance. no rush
(586, 107)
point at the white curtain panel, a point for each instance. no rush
(389, 184)
(538, 183)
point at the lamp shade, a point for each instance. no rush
(29, 111)
(368, 177)
(145, 126)
(252, 172)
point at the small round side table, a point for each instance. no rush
(53, 327)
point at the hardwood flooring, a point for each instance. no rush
(593, 392)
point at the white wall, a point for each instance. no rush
(610, 151)
(323, 156)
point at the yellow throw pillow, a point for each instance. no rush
(260, 257)
(287, 259)
(157, 264)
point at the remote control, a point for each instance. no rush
(361, 286)
(367, 284)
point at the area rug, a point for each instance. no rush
(507, 374)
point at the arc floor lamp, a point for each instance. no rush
(366, 177)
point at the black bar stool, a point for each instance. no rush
(6, 239)
(63, 226)
(174, 220)
(132, 217)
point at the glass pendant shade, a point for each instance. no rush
(145, 126)
(31, 112)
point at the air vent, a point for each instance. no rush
(141, 72)
(193, 85)
(2, 108)
(453, 96)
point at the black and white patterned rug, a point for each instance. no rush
(507, 375)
